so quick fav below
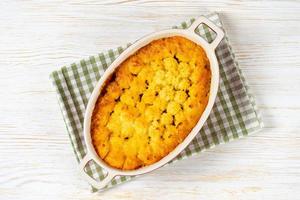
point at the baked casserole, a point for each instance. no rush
(151, 103)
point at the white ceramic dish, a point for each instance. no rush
(187, 33)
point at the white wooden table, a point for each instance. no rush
(37, 37)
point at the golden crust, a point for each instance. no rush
(151, 104)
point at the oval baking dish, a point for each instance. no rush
(214, 69)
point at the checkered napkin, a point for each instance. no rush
(234, 114)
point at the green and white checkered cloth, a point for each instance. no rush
(234, 114)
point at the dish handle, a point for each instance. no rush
(96, 184)
(203, 20)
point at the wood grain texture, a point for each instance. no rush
(37, 37)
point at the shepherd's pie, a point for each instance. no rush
(151, 103)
